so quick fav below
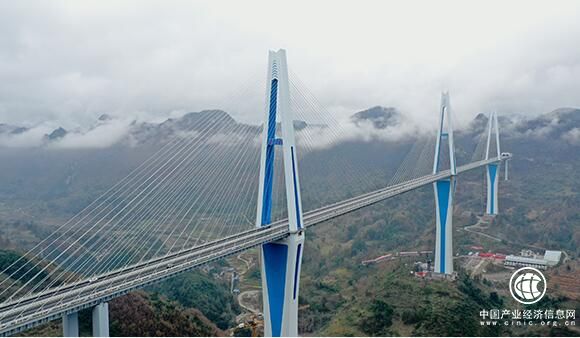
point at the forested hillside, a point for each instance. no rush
(43, 187)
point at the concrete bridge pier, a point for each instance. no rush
(101, 320)
(70, 325)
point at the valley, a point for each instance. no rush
(338, 295)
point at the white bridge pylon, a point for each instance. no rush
(444, 191)
(492, 169)
(280, 260)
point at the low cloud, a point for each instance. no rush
(572, 136)
(324, 136)
(104, 135)
(543, 130)
(69, 62)
(28, 138)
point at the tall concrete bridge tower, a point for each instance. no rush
(492, 169)
(444, 191)
(281, 260)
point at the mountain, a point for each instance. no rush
(559, 124)
(10, 129)
(556, 124)
(170, 309)
(478, 124)
(121, 133)
(196, 121)
(141, 314)
(58, 133)
(538, 210)
(62, 180)
(105, 117)
(112, 131)
(379, 117)
(43, 186)
(207, 121)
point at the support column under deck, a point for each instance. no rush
(101, 320)
(444, 193)
(492, 188)
(70, 325)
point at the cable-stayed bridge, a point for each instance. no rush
(93, 259)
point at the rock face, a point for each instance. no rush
(555, 124)
(10, 129)
(380, 117)
(562, 124)
(479, 123)
(205, 122)
(105, 117)
(58, 133)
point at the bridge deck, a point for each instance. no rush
(24, 313)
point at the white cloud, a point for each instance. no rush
(69, 62)
(103, 135)
(542, 131)
(32, 137)
(572, 136)
(320, 137)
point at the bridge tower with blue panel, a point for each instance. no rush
(444, 191)
(281, 260)
(492, 169)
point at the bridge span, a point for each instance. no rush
(281, 242)
(22, 314)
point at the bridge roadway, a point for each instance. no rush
(24, 313)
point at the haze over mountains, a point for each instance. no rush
(108, 131)
(378, 137)
(68, 168)
(43, 184)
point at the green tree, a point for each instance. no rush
(379, 318)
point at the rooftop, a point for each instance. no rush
(553, 256)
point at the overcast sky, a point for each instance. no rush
(71, 61)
